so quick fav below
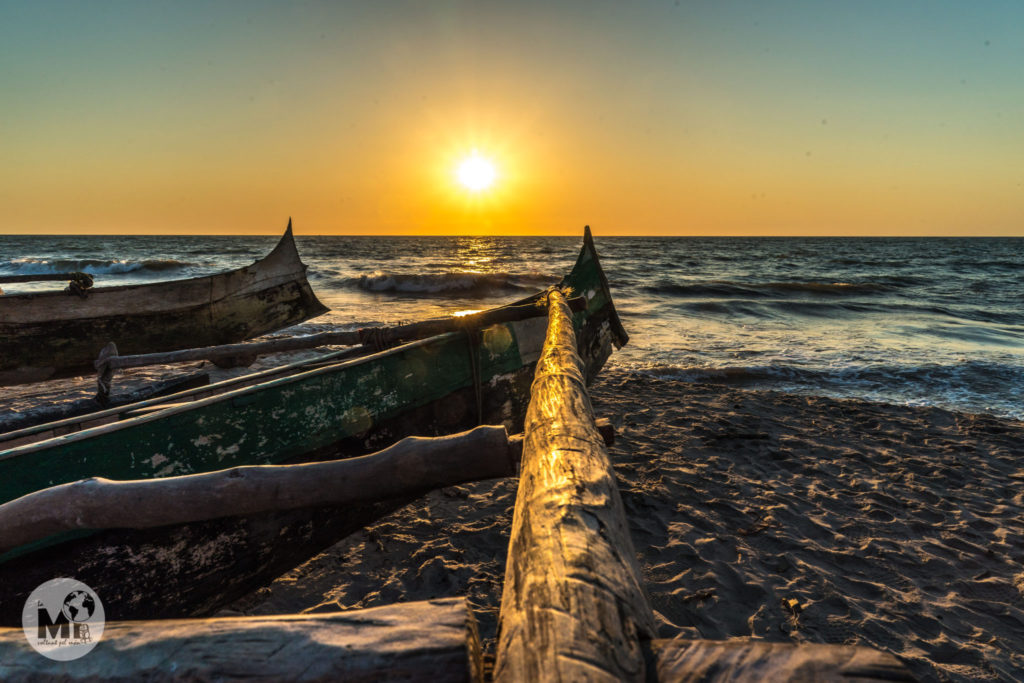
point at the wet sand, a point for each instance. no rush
(893, 527)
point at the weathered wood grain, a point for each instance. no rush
(419, 641)
(410, 466)
(753, 661)
(572, 608)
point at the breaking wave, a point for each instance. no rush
(973, 385)
(41, 266)
(727, 288)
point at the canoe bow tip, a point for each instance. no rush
(287, 240)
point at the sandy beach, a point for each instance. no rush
(898, 528)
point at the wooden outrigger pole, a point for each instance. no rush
(366, 340)
(46, 277)
(407, 468)
(573, 607)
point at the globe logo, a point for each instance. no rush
(78, 606)
(63, 619)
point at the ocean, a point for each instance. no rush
(919, 321)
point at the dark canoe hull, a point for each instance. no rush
(53, 334)
(426, 388)
(192, 570)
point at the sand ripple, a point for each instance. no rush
(755, 514)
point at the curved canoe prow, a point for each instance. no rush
(598, 327)
(589, 252)
(285, 247)
(286, 252)
(49, 334)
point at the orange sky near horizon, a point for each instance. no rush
(802, 118)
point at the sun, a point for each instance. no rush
(476, 173)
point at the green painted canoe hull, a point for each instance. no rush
(436, 386)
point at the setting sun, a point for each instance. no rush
(476, 173)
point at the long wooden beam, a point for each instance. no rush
(412, 465)
(39, 277)
(572, 608)
(372, 336)
(429, 641)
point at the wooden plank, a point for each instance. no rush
(432, 641)
(408, 467)
(572, 608)
(753, 661)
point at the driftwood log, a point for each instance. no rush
(753, 661)
(418, 641)
(410, 466)
(572, 608)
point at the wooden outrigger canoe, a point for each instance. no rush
(436, 386)
(54, 334)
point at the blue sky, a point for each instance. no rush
(646, 118)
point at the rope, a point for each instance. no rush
(373, 337)
(79, 285)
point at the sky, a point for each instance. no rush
(727, 117)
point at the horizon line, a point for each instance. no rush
(278, 235)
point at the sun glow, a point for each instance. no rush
(476, 173)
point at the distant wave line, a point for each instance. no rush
(729, 288)
(462, 283)
(41, 266)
